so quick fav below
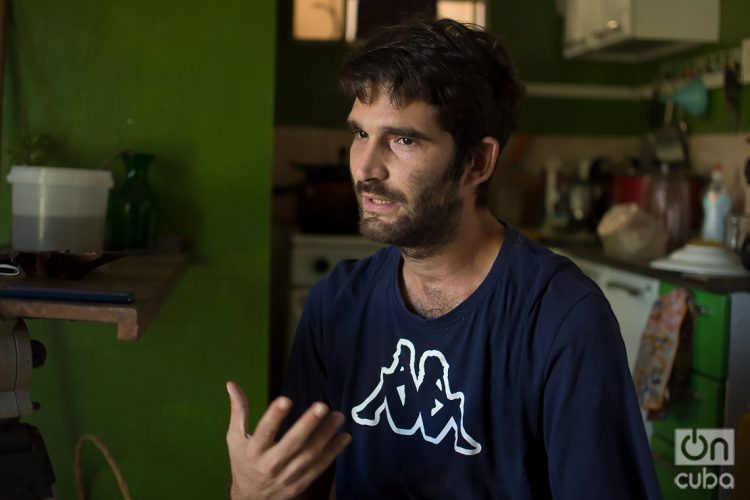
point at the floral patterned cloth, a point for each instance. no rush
(669, 325)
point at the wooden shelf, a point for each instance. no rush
(149, 277)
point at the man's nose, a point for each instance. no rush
(366, 162)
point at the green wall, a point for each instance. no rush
(533, 31)
(307, 94)
(734, 27)
(306, 73)
(306, 90)
(191, 82)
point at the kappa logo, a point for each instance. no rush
(418, 401)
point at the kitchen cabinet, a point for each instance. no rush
(716, 394)
(699, 404)
(702, 403)
(637, 30)
(666, 471)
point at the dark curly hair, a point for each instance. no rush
(462, 70)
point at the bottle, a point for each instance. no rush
(132, 212)
(555, 213)
(668, 203)
(716, 206)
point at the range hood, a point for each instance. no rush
(637, 30)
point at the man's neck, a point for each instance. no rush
(434, 281)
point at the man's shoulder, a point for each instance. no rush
(549, 283)
(539, 268)
(561, 307)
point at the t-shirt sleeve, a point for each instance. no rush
(594, 435)
(306, 377)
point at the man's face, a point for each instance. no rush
(399, 161)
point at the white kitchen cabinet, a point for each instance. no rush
(716, 393)
(637, 30)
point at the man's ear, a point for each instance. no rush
(482, 163)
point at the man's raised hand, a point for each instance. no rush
(263, 468)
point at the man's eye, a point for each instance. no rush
(405, 141)
(360, 134)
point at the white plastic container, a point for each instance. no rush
(59, 208)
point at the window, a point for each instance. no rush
(331, 20)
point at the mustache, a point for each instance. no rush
(379, 189)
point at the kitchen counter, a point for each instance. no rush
(595, 253)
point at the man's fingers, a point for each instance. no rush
(300, 432)
(238, 413)
(268, 426)
(303, 478)
(316, 444)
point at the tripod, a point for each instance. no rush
(25, 469)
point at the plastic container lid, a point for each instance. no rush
(59, 176)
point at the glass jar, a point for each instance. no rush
(669, 204)
(736, 230)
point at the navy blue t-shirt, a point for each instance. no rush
(521, 391)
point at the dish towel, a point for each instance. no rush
(665, 353)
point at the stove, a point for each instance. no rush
(312, 257)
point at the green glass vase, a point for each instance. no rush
(132, 211)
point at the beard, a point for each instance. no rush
(430, 222)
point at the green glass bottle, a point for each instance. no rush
(132, 211)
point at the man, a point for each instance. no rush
(464, 361)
